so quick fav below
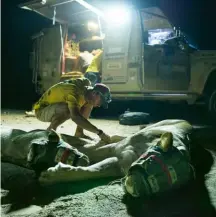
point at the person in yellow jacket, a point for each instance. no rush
(93, 72)
(73, 99)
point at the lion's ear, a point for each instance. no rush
(166, 141)
(53, 136)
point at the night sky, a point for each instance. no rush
(196, 17)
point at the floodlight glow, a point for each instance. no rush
(92, 26)
(43, 2)
(117, 16)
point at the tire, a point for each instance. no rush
(212, 105)
(134, 118)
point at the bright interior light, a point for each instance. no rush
(117, 16)
(92, 26)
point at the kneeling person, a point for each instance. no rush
(73, 99)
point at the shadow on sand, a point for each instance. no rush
(22, 188)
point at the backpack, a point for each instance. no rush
(161, 168)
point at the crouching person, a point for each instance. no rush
(73, 99)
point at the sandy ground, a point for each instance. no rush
(17, 119)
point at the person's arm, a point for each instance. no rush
(85, 124)
(77, 115)
(81, 121)
(85, 112)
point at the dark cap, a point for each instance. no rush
(104, 91)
